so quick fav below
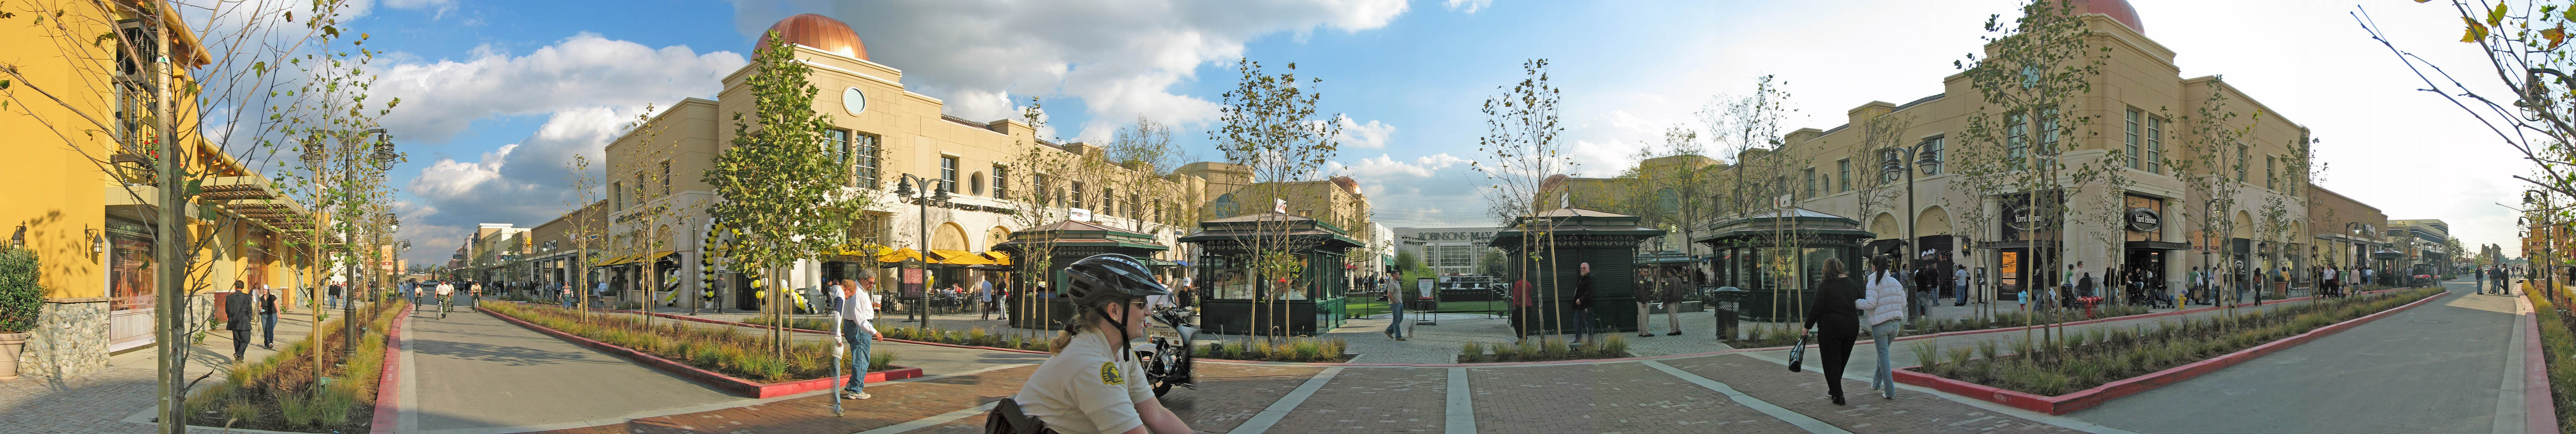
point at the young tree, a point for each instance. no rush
(1270, 125)
(656, 210)
(776, 188)
(2212, 133)
(1035, 191)
(2031, 81)
(585, 189)
(1524, 160)
(1748, 131)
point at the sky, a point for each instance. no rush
(498, 96)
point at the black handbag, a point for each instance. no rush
(1798, 354)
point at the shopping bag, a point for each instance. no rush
(1798, 354)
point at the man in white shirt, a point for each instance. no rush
(856, 306)
(444, 290)
(985, 300)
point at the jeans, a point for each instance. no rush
(1963, 293)
(1395, 325)
(1884, 378)
(268, 329)
(1582, 323)
(859, 339)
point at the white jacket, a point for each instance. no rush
(1884, 299)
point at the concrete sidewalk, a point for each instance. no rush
(2435, 368)
(471, 372)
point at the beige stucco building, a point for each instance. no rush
(2137, 106)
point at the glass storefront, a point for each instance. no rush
(130, 281)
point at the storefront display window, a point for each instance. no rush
(129, 264)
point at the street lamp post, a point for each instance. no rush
(1893, 165)
(927, 193)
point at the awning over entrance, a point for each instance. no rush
(958, 257)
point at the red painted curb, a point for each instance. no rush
(719, 380)
(2087, 398)
(2539, 410)
(389, 379)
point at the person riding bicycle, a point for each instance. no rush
(1093, 382)
(444, 291)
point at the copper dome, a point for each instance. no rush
(820, 32)
(2118, 10)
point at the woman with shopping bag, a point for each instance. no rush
(1835, 322)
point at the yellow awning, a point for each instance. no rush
(960, 257)
(905, 254)
(614, 260)
(657, 256)
(998, 257)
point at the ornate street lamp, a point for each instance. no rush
(1893, 165)
(927, 194)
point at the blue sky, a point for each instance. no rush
(497, 94)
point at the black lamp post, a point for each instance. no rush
(927, 193)
(1895, 164)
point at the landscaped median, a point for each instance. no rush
(1261, 349)
(2083, 369)
(285, 392)
(2556, 345)
(739, 363)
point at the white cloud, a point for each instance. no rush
(1467, 6)
(1371, 135)
(1121, 58)
(449, 178)
(438, 8)
(441, 99)
(1385, 166)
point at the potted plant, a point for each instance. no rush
(20, 300)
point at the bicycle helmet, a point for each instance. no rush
(1106, 279)
(1109, 278)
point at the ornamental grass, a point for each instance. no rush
(2079, 360)
(284, 393)
(724, 349)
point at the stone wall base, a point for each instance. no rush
(70, 340)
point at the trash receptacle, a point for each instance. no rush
(1726, 301)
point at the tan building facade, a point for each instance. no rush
(657, 202)
(2151, 224)
(2346, 230)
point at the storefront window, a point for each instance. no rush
(130, 278)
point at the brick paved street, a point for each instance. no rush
(1606, 398)
(1804, 392)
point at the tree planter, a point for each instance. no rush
(10, 344)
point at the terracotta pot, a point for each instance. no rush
(10, 344)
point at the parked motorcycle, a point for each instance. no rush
(1167, 350)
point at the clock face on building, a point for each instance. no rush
(854, 101)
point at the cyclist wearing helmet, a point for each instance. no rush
(1093, 383)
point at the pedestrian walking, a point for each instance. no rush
(1673, 286)
(1959, 283)
(1835, 321)
(2497, 275)
(1884, 303)
(986, 301)
(335, 296)
(855, 304)
(268, 317)
(1643, 291)
(1582, 302)
(1395, 316)
(237, 311)
(1521, 310)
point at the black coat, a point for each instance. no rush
(1836, 305)
(237, 311)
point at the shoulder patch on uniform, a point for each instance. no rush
(1109, 374)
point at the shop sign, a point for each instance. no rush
(2144, 220)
